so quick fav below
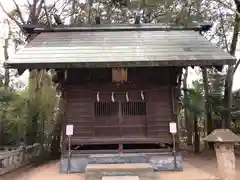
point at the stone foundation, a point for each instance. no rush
(97, 171)
(159, 162)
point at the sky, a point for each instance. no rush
(8, 4)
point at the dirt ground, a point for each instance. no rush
(201, 167)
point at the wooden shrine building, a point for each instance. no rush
(120, 83)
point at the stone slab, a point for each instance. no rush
(96, 171)
(120, 178)
(159, 162)
(118, 158)
(77, 164)
(166, 163)
(136, 167)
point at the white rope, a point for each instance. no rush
(113, 99)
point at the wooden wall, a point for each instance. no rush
(81, 90)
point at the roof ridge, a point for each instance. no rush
(116, 27)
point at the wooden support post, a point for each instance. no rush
(120, 117)
(120, 148)
(172, 90)
(63, 119)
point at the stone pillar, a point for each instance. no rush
(1, 162)
(225, 161)
(22, 154)
(224, 141)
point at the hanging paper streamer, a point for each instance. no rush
(142, 95)
(113, 99)
(127, 98)
(98, 97)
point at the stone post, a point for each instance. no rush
(22, 153)
(224, 141)
(1, 162)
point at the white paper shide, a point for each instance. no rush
(173, 127)
(69, 130)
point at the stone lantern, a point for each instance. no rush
(224, 141)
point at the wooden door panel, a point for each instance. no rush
(113, 131)
(134, 131)
(133, 120)
(103, 121)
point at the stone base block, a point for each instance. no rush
(118, 158)
(77, 164)
(120, 178)
(166, 163)
(96, 171)
(159, 162)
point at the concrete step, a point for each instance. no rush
(159, 161)
(120, 178)
(96, 171)
(118, 158)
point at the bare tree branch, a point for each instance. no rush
(39, 9)
(223, 30)
(235, 35)
(11, 17)
(6, 56)
(46, 13)
(19, 11)
(231, 69)
(29, 4)
(33, 17)
(228, 6)
(49, 9)
(236, 66)
(63, 8)
(157, 15)
(233, 46)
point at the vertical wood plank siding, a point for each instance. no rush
(93, 119)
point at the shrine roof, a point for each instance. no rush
(118, 46)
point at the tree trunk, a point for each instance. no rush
(72, 18)
(196, 135)
(226, 122)
(208, 113)
(89, 11)
(188, 121)
(6, 56)
(35, 15)
(208, 118)
(57, 132)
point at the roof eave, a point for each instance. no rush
(179, 63)
(115, 27)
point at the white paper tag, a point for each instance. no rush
(69, 130)
(173, 127)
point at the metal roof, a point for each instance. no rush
(119, 49)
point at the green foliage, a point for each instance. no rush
(12, 112)
(30, 114)
(194, 100)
